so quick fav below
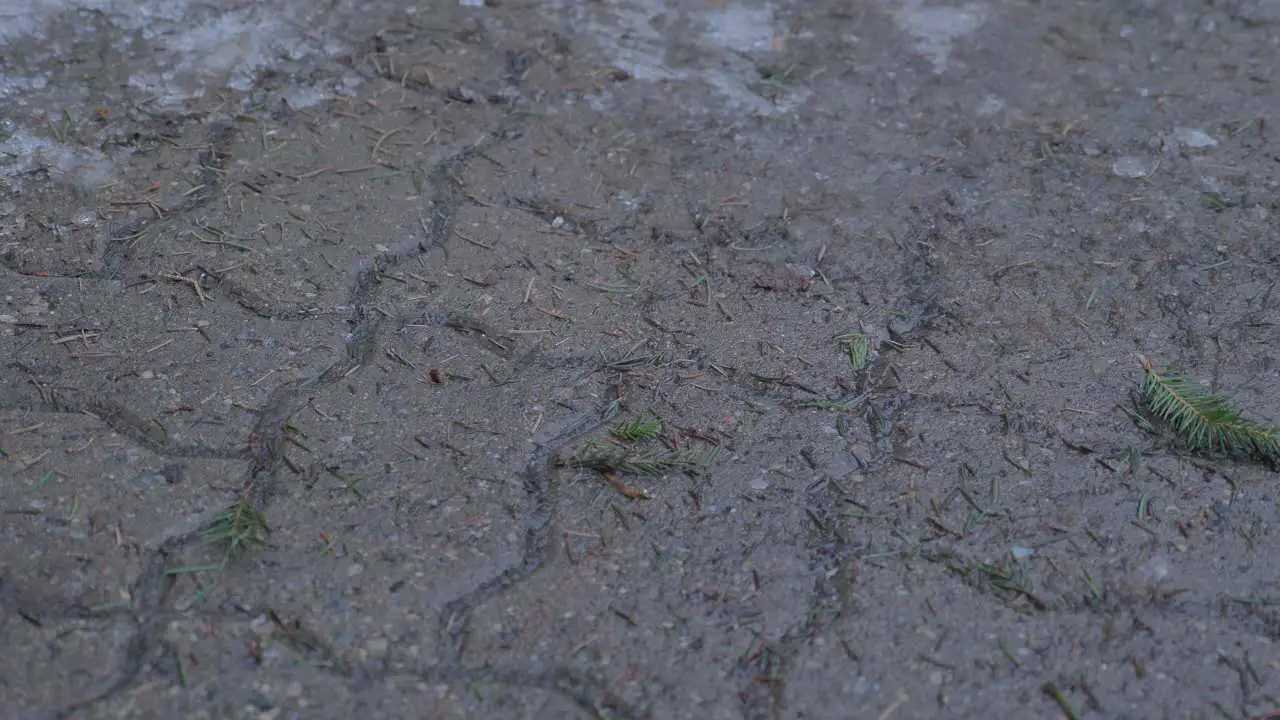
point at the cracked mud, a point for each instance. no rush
(399, 319)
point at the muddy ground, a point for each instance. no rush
(410, 316)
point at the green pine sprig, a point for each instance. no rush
(1207, 422)
(237, 529)
(642, 428)
(858, 348)
(596, 456)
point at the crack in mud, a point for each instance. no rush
(762, 694)
(454, 622)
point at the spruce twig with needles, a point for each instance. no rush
(648, 464)
(1205, 421)
(623, 454)
(642, 428)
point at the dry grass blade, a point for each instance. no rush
(1207, 422)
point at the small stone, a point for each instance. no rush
(147, 375)
(462, 94)
(261, 626)
(793, 278)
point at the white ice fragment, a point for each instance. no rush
(1155, 569)
(1193, 138)
(935, 29)
(1130, 166)
(990, 106)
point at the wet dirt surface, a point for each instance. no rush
(398, 276)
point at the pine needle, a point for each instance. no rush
(1207, 422)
